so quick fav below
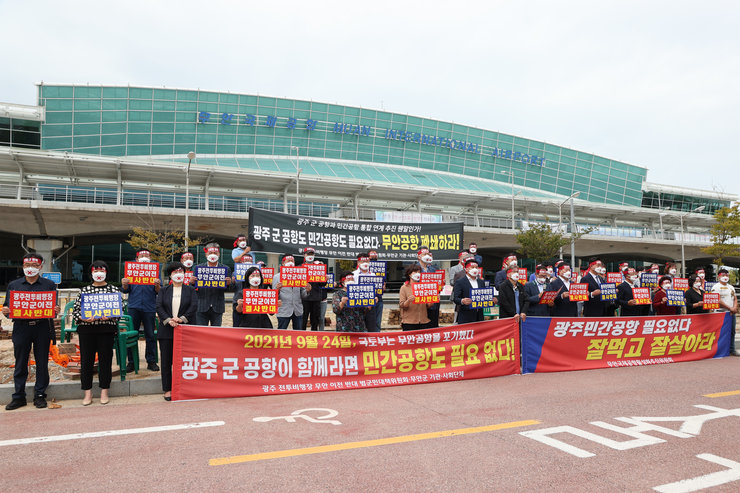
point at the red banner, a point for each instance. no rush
(293, 277)
(260, 301)
(548, 297)
(33, 304)
(142, 272)
(560, 344)
(211, 362)
(425, 292)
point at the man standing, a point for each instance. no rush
(501, 275)
(512, 300)
(594, 306)
(533, 291)
(142, 306)
(241, 250)
(363, 269)
(373, 254)
(727, 303)
(626, 298)
(426, 261)
(473, 249)
(563, 306)
(313, 299)
(290, 308)
(211, 303)
(28, 333)
(462, 295)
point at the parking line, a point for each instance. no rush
(107, 433)
(723, 394)
(236, 459)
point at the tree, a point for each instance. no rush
(725, 229)
(162, 244)
(541, 243)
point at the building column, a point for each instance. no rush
(45, 247)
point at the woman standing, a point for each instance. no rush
(176, 304)
(96, 335)
(349, 319)
(694, 296)
(660, 299)
(252, 320)
(413, 315)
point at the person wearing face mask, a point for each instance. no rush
(291, 299)
(563, 307)
(426, 262)
(671, 270)
(30, 333)
(313, 299)
(701, 275)
(513, 302)
(594, 306)
(373, 254)
(241, 250)
(727, 303)
(660, 298)
(349, 318)
(458, 272)
(533, 291)
(254, 280)
(187, 261)
(462, 293)
(177, 304)
(142, 301)
(371, 314)
(508, 262)
(413, 315)
(694, 296)
(211, 302)
(96, 336)
(626, 298)
(473, 249)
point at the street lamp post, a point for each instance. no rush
(683, 255)
(572, 230)
(297, 176)
(191, 156)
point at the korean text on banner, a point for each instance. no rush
(608, 291)
(675, 297)
(211, 362)
(711, 301)
(293, 277)
(425, 292)
(141, 272)
(641, 296)
(241, 269)
(100, 305)
(561, 344)
(32, 304)
(376, 281)
(361, 295)
(548, 297)
(578, 292)
(523, 275)
(260, 301)
(315, 272)
(210, 277)
(267, 274)
(681, 283)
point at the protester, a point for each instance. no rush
(373, 254)
(694, 296)
(462, 293)
(626, 298)
(594, 306)
(670, 269)
(176, 304)
(142, 306)
(426, 261)
(512, 300)
(211, 303)
(473, 249)
(254, 280)
(314, 297)
(413, 315)
(291, 299)
(563, 306)
(187, 261)
(30, 333)
(349, 318)
(96, 336)
(533, 291)
(508, 262)
(727, 303)
(241, 251)
(458, 272)
(660, 298)
(701, 274)
(363, 269)
(236, 316)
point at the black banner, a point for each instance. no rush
(276, 232)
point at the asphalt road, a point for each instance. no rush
(518, 433)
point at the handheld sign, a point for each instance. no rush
(711, 301)
(437, 276)
(522, 275)
(425, 292)
(32, 304)
(608, 291)
(54, 276)
(267, 274)
(649, 280)
(293, 277)
(361, 295)
(548, 297)
(681, 283)
(378, 267)
(100, 305)
(240, 270)
(315, 272)
(482, 298)
(641, 296)
(573, 276)
(578, 291)
(260, 301)
(330, 284)
(142, 273)
(614, 277)
(376, 281)
(210, 277)
(675, 297)
(708, 285)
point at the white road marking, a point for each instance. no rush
(330, 413)
(107, 433)
(732, 473)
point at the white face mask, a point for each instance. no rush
(187, 263)
(242, 244)
(255, 281)
(512, 263)
(178, 277)
(309, 258)
(697, 285)
(473, 272)
(415, 276)
(701, 276)
(633, 279)
(212, 257)
(145, 259)
(601, 270)
(98, 276)
(655, 271)
(666, 285)
(426, 259)
(724, 279)
(289, 264)
(672, 272)
(364, 266)
(549, 272)
(31, 271)
(565, 274)
(473, 250)
(541, 280)
(515, 276)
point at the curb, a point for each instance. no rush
(71, 390)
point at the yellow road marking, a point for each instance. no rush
(723, 394)
(366, 443)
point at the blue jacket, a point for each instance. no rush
(532, 292)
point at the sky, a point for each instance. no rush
(650, 83)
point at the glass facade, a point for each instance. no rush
(16, 132)
(141, 121)
(679, 202)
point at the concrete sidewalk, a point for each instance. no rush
(71, 389)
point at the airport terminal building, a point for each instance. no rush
(88, 163)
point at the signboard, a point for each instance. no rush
(681, 283)
(267, 274)
(482, 298)
(425, 292)
(437, 276)
(260, 301)
(335, 238)
(378, 267)
(330, 283)
(33, 304)
(142, 273)
(578, 291)
(708, 285)
(360, 295)
(210, 277)
(608, 291)
(649, 280)
(614, 278)
(214, 362)
(376, 281)
(293, 277)
(315, 272)
(522, 275)
(548, 297)
(54, 276)
(711, 301)
(675, 297)
(101, 305)
(641, 296)
(241, 269)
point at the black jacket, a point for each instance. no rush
(507, 300)
(462, 290)
(563, 307)
(624, 294)
(594, 306)
(188, 307)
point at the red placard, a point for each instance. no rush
(641, 296)
(212, 362)
(711, 301)
(680, 283)
(293, 277)
(267, 274)
(188, 278)
(614, 277)
(260, 301)
(33, 304)
(143, 273)
(425, 292)
(574, 276)
(315, 272)
(578, 291)
(522, 275)
(437, 276)
(548, 296)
